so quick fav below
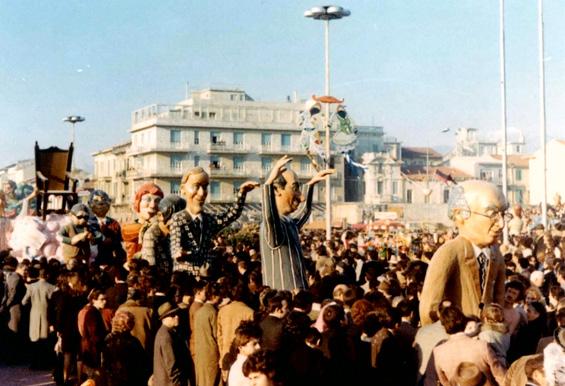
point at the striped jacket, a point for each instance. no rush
(281, 255)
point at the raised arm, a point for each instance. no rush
(302, 214)
(273, 228)
(233, 213)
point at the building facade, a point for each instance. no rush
(233, 137)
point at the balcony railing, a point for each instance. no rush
(222, 147)
(223, 171)
(183, 147)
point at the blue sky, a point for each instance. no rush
(414, 67)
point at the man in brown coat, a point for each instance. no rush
(469, 270)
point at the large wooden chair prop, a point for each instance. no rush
(53, 178)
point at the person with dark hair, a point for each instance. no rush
(246, 341)
(306, 364)
(11, 310)
(461, 348)
(67, 303)
(526, 340)
(337, 346)
(263, 369)
(144, 320)
(117, 293)
(92, 331)
(230, 316)
(272, 324)
(39, 295)
(282, 257)
(206, 353)
(514, 291)
(193, 229)
(124, 361)
(110, 250)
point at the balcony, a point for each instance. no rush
(280, 150)
(222, 147)
(224, 172)
(233, 114)
(172, 147)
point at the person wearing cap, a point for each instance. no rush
(469, 270)
(77, 236)
(193, 229)
(170, 356)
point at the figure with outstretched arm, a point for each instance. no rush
(285, 211)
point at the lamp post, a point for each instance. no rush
(503, 115)
(327, 13)
(73, 120)
(542, 114)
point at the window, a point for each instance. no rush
(518, 174)
(175, 135)
(266, 139)
(215, 162)
(236, 186)
(520, 196)
(215, 189)
(212, 114)
(305, 165)
(266, 164)
(196, 160)
(379, 187)
(196, 137)
(446, 196)
(395, 188)
(175, 187)
(176, 161)
(285, 140)
(409, 196)
(238, 138)
(238, 163)
(215, 137)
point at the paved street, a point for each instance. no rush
(23, 376)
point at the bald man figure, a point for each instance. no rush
(469, 270)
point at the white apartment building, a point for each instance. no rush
(19, 172)
(226, 132)
(469, 142)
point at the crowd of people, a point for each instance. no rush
(139, 314)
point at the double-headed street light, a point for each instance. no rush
(73, 120)
(327, 13)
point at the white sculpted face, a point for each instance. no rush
(487, 205)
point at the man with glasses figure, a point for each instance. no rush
(469, 270)
(77, 236)
(281, 254)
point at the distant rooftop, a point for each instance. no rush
(408, 152)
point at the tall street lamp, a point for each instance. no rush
(327, 13)
(73, 120)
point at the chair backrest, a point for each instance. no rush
(54, 163)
